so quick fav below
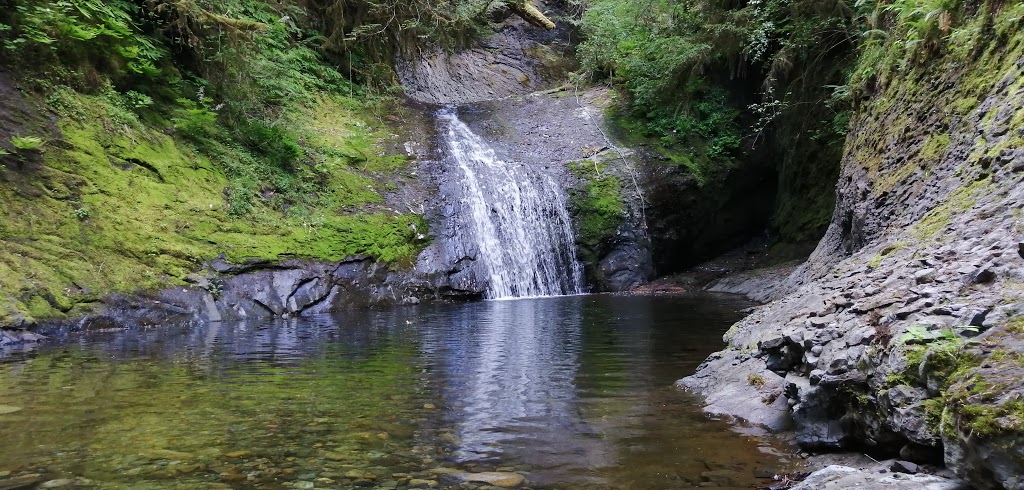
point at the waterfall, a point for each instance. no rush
(517, 216)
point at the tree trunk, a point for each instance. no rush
(526, 10)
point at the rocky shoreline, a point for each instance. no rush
(900, 335)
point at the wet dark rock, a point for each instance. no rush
(909, 419)
(817, 425)
(627, 265)
(12, 337)
(984, 276)
(304, 288)
(904, 467)
(688, 226)
(921, 453)
(288, 289)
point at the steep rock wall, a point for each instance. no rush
(518, 58)
(562, 132)
(903, 332)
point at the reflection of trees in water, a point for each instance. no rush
(512, 370)
(570, 389)
(278, 387)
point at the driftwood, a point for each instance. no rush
(530, 13)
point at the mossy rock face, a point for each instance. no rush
(912, 302)
(598, 207)
(984, 410)
(608, 214)
(117, 208)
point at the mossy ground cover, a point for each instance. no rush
(117, 206)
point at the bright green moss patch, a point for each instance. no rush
(885, 252)
(981, 410)
(1015, 325)
(599, 208)
(934, 148)
(122, 207)
(939, 218)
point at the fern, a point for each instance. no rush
(27, 142)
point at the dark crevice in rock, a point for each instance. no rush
(141, 163)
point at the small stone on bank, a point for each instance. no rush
(924, 276)
(61, 482)
(899, 466)
(496, 478)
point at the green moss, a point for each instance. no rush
(598, 207)
(934, 148)
(959, 201)
(158, 208)
(910, 376)
(933, 412)
(930, 154)
(989, 420)
(1015, 325)
(704, 140)
(885, 252)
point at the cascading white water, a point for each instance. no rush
(518, 216)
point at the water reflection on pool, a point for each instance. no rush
(567, 392)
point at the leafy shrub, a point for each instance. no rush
(194, 120)
(96, 33)
(274, 143)
(682, 66)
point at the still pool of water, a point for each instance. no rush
(572, 392)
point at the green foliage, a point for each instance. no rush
(924, 22)
(365, 35)
(27, 142)
(904, 35)
(189, 129)
(273, 143)
(649, 48)
(704, 138)
(81, 34)
(684, 66)
(194, 120)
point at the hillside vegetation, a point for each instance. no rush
(142, 139)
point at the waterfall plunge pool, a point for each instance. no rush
(568, 392)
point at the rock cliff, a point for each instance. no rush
(902, 334)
